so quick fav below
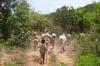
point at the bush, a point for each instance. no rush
(88, 60)
(89, 43)
(88, 47)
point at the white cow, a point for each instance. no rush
(53, 39)
(62, 41)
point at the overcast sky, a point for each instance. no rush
(47, 6)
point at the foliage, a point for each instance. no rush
(88, 60)
(96, 25)
(39, 22)
(6, 9)
(21, 29)
(16, 30)
(90, 13)
(76, 20)
(16, 25)
(90, 43)
(65, 18)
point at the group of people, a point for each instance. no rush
(46, 40)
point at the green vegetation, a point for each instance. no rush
(18, 21)
(20, 61)
(53, 59)
(62, 64)
(9, 64)
(88, 48)
(16, 61)
(88, 45)
(85, 20)
(16, 25)
(88, 60)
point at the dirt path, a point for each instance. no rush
(32, 57)
(67, 57)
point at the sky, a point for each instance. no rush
(48, 6)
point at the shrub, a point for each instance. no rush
(88, 60)
(90, 43)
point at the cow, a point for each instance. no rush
(62, 41)
(53, 39)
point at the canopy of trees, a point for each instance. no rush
(76, 20)
(17, 21)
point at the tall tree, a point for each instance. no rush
(65, 17)
(21, 28)
(6, 8)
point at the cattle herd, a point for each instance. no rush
(46, 40)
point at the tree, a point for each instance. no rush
(21, 29)
(15, 22)
(6, 8)
(66, 18)
(39, 22)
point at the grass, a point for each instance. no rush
(88, 60)
(9, 64)
(20, 61)
(53, 59)
(36, 58)
(62, 64)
